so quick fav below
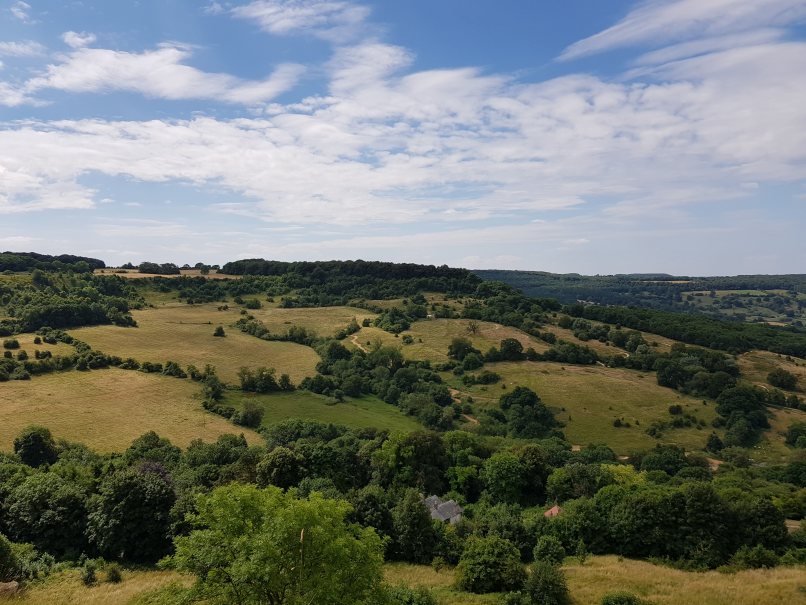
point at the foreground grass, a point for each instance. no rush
(666, 586)
(357, 413)
(184, 333)
(67, 589)
(589, 398)
(587, 584)
(107, 409)
(660, 585)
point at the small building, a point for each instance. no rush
(443, 510)
(553, 511)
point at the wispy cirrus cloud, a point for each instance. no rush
(658, 22)
(159, 73)
(27, 48)
(333, 20)
(22, 12)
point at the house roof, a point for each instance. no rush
(553, 511)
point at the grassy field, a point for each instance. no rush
(433, 336)
(184, 333)
(587, 584)
(135, 274)
(108, 409)
(325, 321)
(755, 366)
(358, 413)
(67, 589)
(771, 448)
(660, 585)
(589, 398)
(658, 343)
(27, 344)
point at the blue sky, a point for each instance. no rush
(578, 136)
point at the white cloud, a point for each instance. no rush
(22, 11)
(392, 146)
(333, 20)
(214, 8)
(28, 48)
(661, 21)
(78, 40)
(158, 73)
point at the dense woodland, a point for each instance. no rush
(742, 297)
(358, 494)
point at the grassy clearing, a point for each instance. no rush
(27, 344)
(772, 449)
(325, 321)
(433, 336)
(658, 343)
(108, 409)
(184, 333)
(660, 585)
(589, 398)
(67, 589)
(755, 365)
(358, 413)
(135, 274)
(666, 586)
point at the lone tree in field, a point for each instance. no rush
(219, 331)
(256, 545)
(782, 379)
(35, 446)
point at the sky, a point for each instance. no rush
(589, 136)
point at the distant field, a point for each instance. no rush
(437, 334)
(593, 396)
(357, 413)
(27, 344)
(755, 366)
(325, 321)
(659, 585)
(771, 448)
(108, 409)
(135, 274)
(184, 333)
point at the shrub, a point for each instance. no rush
(489, 564)
(549, 549)
(88, 576)
(219, 331)
(754, 557)
(114, 574)
(622, 598)
(403, 595)
(546, 585)
(11, 343)
(35, 446)
(782, 379)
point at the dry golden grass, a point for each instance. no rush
(108, 409)
(755, 365)
(771, 448)
(135, 274)
(436, 335)
(27, 344)
(666, 586)
(660, 585)
(325, 321)
(184, 333)
(67, 589)
(593, 396)
(659, 343)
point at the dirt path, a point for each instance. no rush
(354, 340)
(470, 419)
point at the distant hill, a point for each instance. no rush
(28, 261)
(773, 299)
